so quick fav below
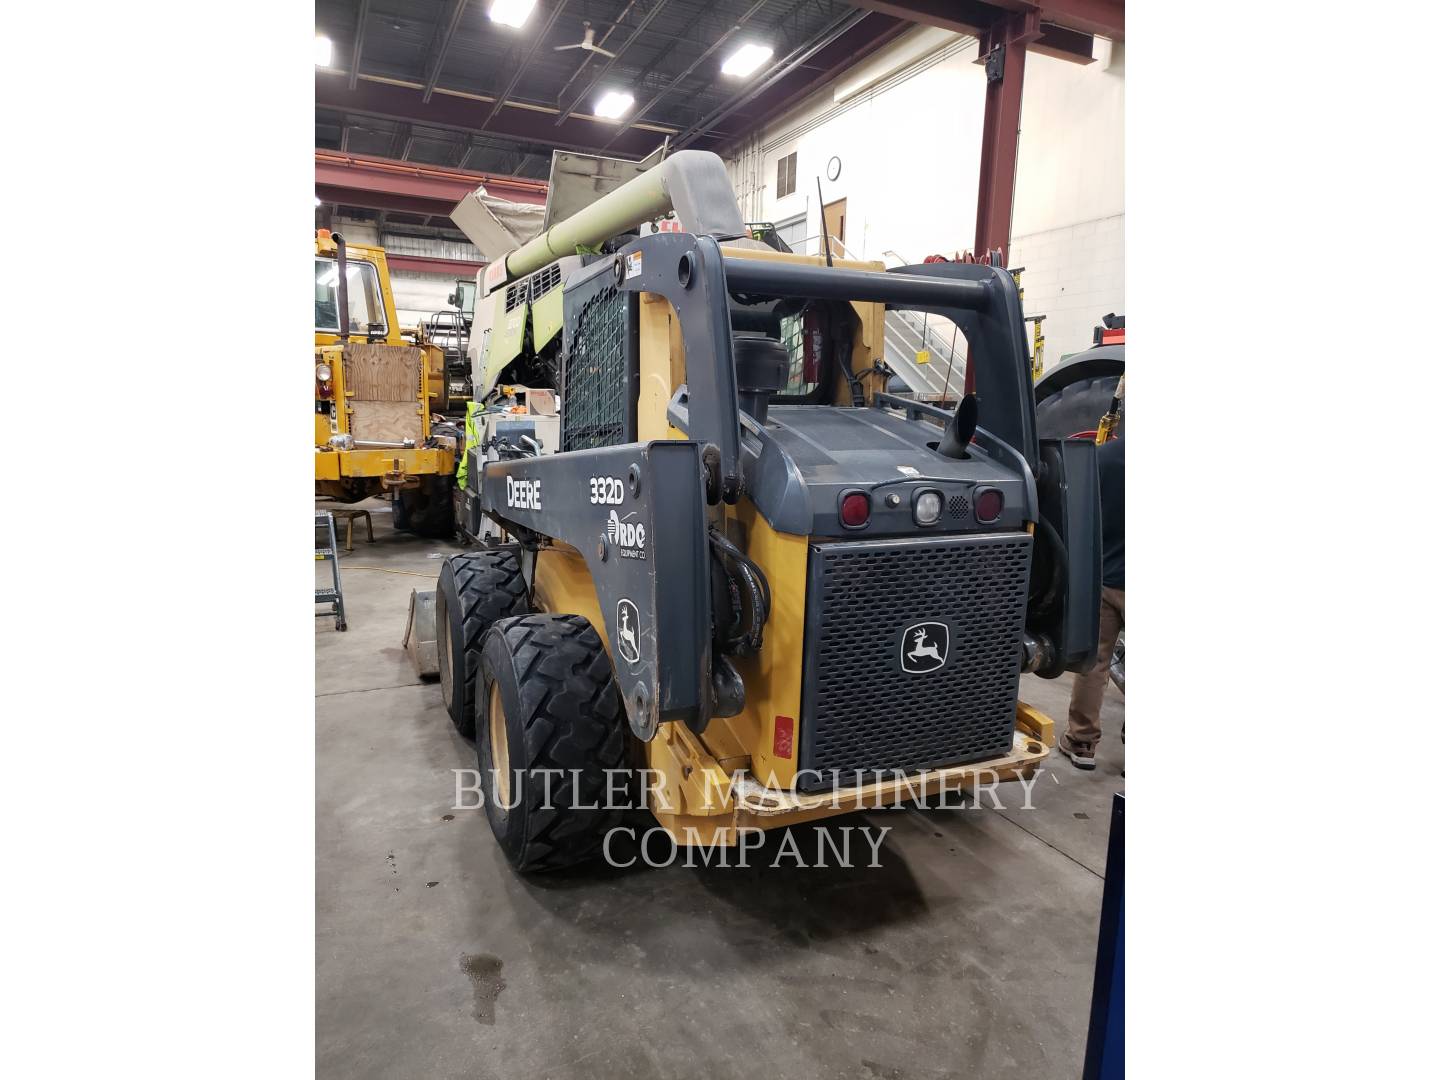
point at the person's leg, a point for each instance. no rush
(1088, 692)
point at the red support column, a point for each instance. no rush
(1002, 51)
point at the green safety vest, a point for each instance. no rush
(472, 438)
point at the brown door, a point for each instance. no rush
(835, 221)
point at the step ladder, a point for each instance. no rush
(325, 520)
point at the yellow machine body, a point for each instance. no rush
(708, 789)
(382, 390)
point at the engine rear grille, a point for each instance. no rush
(865, 603)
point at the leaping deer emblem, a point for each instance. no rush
(627, 635)
(921, 648)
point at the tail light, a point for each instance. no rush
(854, 509)
(988, 505)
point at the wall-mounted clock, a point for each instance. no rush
(832, 170)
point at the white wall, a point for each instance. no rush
(909, 145)
(1068, 229)
(419, 296)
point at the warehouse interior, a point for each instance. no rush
(955, 144)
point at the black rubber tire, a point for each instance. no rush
(562, 711)
(1075, 408)
(428, 510)
(474, 590)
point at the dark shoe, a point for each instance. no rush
(1083, 757)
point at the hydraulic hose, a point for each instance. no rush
(749, 642)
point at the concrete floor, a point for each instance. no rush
(970, 950)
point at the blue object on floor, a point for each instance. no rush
(1105, 1049)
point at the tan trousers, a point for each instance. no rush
(1088, 692)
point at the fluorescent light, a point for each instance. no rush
(744, 60)
(511, 12)
(614, 105)
(323, 51)
(317, 200)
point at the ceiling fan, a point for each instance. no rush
(588, 44)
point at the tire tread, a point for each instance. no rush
(572, 719)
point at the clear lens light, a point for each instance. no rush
(744, 60)
(614, 105)
(511, 12)
(927, 508)
(323, 51)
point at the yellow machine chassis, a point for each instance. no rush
(380, 464)
(708, 789)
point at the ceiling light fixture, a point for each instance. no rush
(614, 105)
(323, 51)
(744, 60)
(511, 12)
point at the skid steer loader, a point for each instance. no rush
(748, 575)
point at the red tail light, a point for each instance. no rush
(988, 505)
(855, 509)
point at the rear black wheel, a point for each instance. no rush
(551, 704)
(474, 590)
(1076, 408)
(427, 510)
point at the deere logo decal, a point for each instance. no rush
(522, 494)
(628, 619)
(924, 647)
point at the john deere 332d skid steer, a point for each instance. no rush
(746, 574)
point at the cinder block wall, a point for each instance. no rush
(1073, 275)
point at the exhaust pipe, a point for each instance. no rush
(342, 292)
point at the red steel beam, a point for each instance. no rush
(961, 16)
(411, 181)
(369, 200)
(1000, 139)
(1103, 17)
(426, 265)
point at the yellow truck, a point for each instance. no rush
(376, 388)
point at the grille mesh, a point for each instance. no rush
(597, 374)
(860, 709)
(791, 336)
(544, 281)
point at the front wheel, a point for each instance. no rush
(552, 748)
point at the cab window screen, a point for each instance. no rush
(367, 308)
